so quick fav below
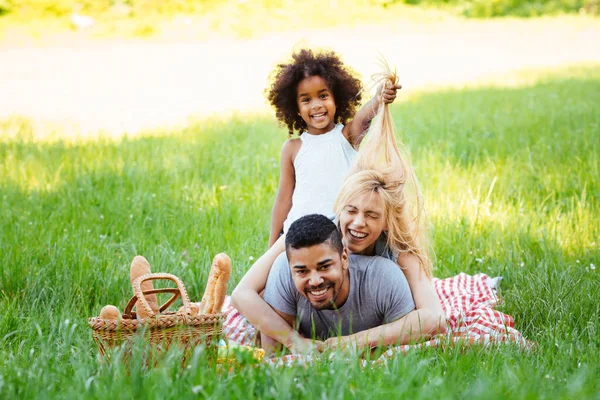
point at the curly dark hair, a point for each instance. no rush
(341, 80)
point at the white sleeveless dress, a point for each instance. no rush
(321, 166)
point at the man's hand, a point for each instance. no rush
(302, 345)
(388, 91)
(345, 343)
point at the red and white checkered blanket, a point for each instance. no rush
(467, 301)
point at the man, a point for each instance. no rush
(329, 296)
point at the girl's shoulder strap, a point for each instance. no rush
(337, 129)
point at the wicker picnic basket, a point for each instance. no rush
(160, 330)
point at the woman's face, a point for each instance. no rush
(361, 222)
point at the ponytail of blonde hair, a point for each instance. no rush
(383, 166)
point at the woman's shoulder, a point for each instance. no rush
(382, 248)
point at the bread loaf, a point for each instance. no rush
(216, 287)
(139, 267)
(110, 312)
(195, 309)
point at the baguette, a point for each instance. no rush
(139, 267)
(216, 287)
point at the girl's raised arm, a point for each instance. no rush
(356, 129)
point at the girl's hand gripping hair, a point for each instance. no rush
(387, 91)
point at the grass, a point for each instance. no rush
(512, 184)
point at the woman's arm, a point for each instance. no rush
(424, 294)
(413, 327)
(425, 321)
(355, 130)
(287, 183)
(428, 319)
(246, 299)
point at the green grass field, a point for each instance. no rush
(512, 185)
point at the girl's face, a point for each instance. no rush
(361, 222)
(316, 105)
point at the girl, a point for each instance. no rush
(317, 95)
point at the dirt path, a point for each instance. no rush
(126, 86)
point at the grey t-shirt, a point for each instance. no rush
(379, 294)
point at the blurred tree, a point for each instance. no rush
(5, 7)
(521, 8)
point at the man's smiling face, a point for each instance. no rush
(320, 274)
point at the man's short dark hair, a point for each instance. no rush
(311, 230)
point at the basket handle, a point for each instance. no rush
(139, 294)
(133, 300)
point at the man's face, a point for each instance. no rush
(320, 274)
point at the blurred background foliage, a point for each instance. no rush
(519, 8)
(141, 8)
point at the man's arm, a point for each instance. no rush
(281, 294)
(274, 325)
(246, 299)
(297, 344)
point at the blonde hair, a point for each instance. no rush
(383, 167)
